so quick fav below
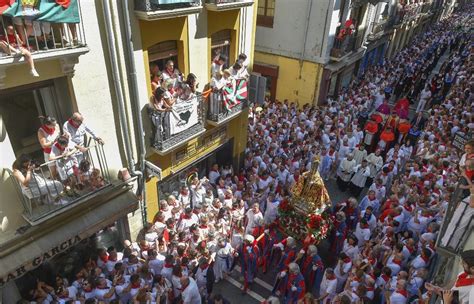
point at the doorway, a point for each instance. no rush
(21, 109)
(270, 72)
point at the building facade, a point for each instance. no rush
(311, 56)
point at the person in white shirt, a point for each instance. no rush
(342, 270)
(425, 95)
(328, 287)
(75, 129)
(362, 233)
(190, 291)
(253, 218)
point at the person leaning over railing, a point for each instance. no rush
(157, 109)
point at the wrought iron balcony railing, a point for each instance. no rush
(58, 184)
(175, 127)
(162, 9)
(343, 47)
(221, 109)
(39, 36)
(457, 226)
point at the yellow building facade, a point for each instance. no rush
(298, 81)
(230, 27)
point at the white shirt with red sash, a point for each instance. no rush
(465, 286)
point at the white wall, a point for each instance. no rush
(287, 36)
(92, 90)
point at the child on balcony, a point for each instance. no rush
(11, 44)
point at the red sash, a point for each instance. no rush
(463, 280)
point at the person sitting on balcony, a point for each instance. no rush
(33, 185)
(170, 72)
(11, 44)
(218, 64)
(75, 129)
(47, 134)
(229, 79)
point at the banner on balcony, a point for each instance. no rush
(234, 97)
(184, 115)
(54, 11)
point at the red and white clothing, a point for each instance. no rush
(328, 286)
(399, 297)
(253, 220)
(465, 286)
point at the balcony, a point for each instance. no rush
(378, 30)
(224, 5)
(62, 184)
(176, 127)
(220, 110)
(342, 47)
(150, 10)
(457, 226)
(58, 35)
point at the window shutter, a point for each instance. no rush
(163, 50)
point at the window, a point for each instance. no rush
(220, 45)
(265, 12)
(162, 52)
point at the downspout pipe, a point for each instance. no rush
(134, 99)
(303, 48)
(111, 47)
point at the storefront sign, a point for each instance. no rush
(37, 261)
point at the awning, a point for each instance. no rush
(16, 264)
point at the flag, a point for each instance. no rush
(233, 98)
(54, 11)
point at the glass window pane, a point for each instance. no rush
(261, 11)
(271, 3)
(270, 12)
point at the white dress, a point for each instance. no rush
(41, 186)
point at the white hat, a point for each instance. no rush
(249, 238)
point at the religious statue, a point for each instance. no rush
(309, 193)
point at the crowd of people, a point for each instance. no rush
(383, 239)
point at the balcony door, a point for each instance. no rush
(161, 52)
(21, 108)
(220, 45)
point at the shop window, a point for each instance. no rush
(265, 12)
(161, 52)
(27, 104)
(220, 45)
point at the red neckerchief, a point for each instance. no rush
(397, 261)
(426, 259)
(370, 288)
(346, 260)
(364, 226)
(186, 217)
(73, 123)
(403, 292)
(88, 289)
(463, 280)
(135, 285)
(103, 288)
(331, 277)
(57, 145)
(112, 260)
(48, 130)
(372, 261)
(385, 277)
(203, 226)
(204, 266)
(104, 259)
(168, 265)
(170, 72)
(411, 249)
